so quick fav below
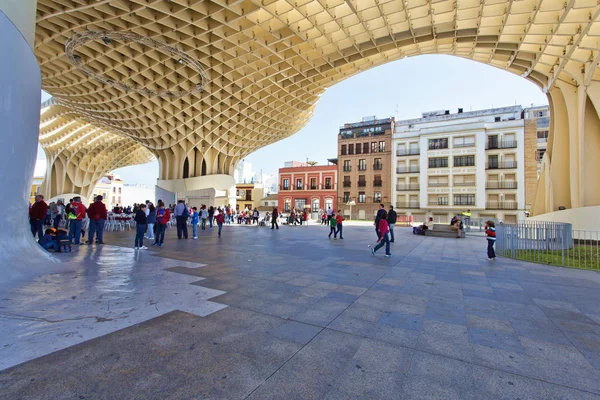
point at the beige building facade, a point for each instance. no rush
(447, 163)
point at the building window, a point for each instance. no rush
(347, 182)
(119, 193)
(493, 161)
(313, 183)
(328, 183)
(438, 162)
(114, 189)
(377, 197)
(539, 154)
(358, 148)
(315, 205)
(286, 184)
(362, 165)
(113, 199)
(497, 119)
(381, 147)
(350, 149)
(373, 147)
(361, 197)
(298, 184)
(377, 182)
(464, 141)
(362, 181)
(366, 148)
(438, 143)
(377, 164)
(287, 205)
(299, 204)
(346, 197)
(343, 149)
(464, 161)
(119, 198)
(464, 199)
(347, 167)
(542, 136)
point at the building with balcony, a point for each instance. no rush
(308, 187)
(364, 163)
(541, 116)
(443, 164)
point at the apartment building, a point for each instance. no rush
(448, 163)
(307, 187)
(364, 165)
(541, 116)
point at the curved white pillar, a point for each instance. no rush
(20, 92)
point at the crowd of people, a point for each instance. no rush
(65, 222)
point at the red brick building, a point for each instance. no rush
(306, 187)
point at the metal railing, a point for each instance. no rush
(501, 165)
(501, 185)
(407, 170)
(501, 205)
(414, 186)
(550, 243)
(464, 183)
(409, 204)
(502, 144)
(409, 152)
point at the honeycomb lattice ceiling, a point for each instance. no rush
(267, 62)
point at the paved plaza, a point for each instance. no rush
(291, 314)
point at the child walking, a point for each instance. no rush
(220, 218)
(204, 216)
(384, 230)
(332, 226)
(195, 221)
(339, 218)
(490, 233)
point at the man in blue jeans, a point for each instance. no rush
(98, 215)
(37, 216)
(392, 217)
(78, 210)
(141, 224)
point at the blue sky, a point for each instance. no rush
(403, 89)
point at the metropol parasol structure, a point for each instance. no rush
(200, 84)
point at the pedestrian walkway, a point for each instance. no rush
(264, 314)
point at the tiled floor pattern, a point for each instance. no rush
(313, 318)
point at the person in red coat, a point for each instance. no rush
(37, 216)
(98, 216)
(163, 215)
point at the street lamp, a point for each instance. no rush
(351, 203)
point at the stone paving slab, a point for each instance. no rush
(307, 317)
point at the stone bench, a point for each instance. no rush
(442, 230)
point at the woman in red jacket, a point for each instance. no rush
(384, 230)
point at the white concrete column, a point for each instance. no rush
(20, 95)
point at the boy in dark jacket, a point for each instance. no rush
(47, 240)
(141, 222)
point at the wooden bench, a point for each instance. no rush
(442, 230)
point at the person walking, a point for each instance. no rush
(220, 218)
(211, 216)
(339, 219)
(163, 215)
(203, 216)
(76, 220)
(391, 219)
(141, 224)
(384, 237)
(55, 213)
(181, 216)
(274, 217)
(37, 216)
(195, 220)
(378, 217)
(151, 221)
(330, 214)
(332, 226)
(255, 216)
(98, 215)
(490, 235)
